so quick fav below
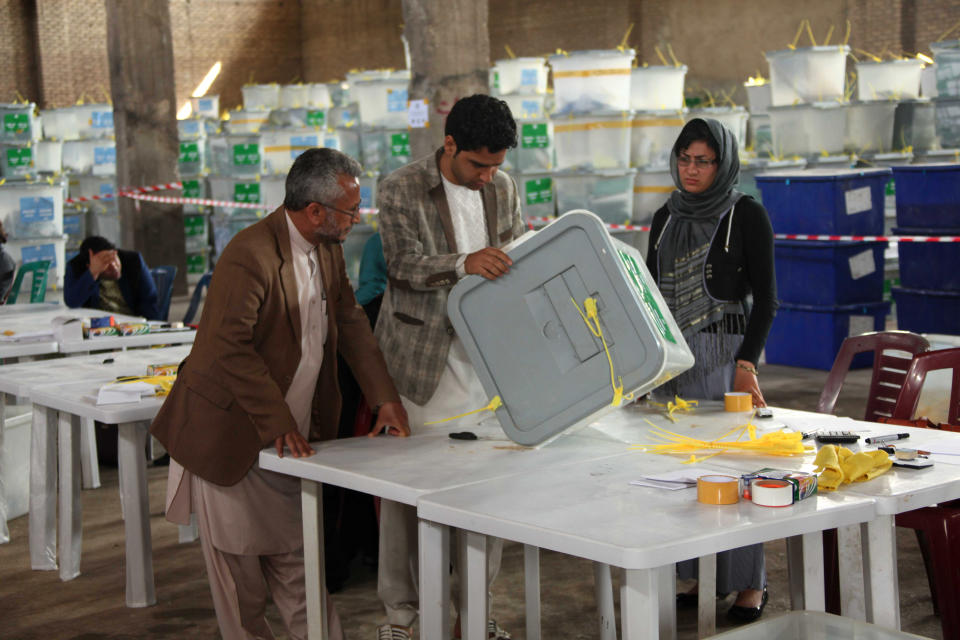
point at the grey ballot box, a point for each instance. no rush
(529, 341)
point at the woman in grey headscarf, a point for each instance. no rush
(711, 250)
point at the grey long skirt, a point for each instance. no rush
(741, 568)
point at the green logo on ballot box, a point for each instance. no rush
(246, 192)
(399, 144)
(636, 277)
(19, 157)
(534, 136)
(16, 123)
(316, 118)
(197, 263)
(194, 225)
(189, 153)
(539, 191)
(246, 154)
(191, 188)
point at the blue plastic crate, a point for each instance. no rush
(924, 311)
(928, 195)
(825, 201)
(829, 273)
(933, 266)
(810, 336)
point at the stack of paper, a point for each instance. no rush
(114, 393)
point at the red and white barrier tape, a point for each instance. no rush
(166, 186)
(200, 201)
(836, 238)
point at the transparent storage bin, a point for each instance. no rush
(194, 187)
(206, 106)
(300, 117)
(93, 156)
(368, 189)
(946, 54)
(191, 128)
(651, 190)
(733, 118)
(518, 75)
(383, 103)
(192, 156)
(535, 147)
(759, 97)
(384, 150)
(889, 79)
(606, 192)
(246, 121)
(225, 228)
(870, 126)
(807, 75)
(808, 129)
(590, 81)
(237, 155)
(245, 190)
(196, 232)
(318, 95)
(538, 195)
(261, 97)
(60, 124)
(293, 96)
(593, 141)
(282, 146)
(658, 88)
(16, 161)
(272, 191)
(652, 136)
(19, 123)
(94, 120)
(914, 125)
(75, 227)
(948, 121)
(30, 210)
(198, 263)
(525, 106)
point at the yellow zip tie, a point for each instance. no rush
(846, 37)
(826, 40)
(948, 31)
(676, 62)
(495, 404)
(660, 55)
(590, 304)
(810, 33)
(626, 36)
(796, 38)
(510, 51)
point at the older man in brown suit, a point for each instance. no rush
(263, 371)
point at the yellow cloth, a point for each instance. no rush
(839, 465)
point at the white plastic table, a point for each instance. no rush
(590, 510)
(59, 407)
(403, 470)
(897, 491)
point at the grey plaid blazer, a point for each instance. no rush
(421, 254)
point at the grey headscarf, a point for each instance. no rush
(683, 246)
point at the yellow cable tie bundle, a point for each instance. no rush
(161, 384)
(494, 404)
(592, 320)
(660, 55)
(779, 443)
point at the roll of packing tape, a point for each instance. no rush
(737, 401)
(718, 489)
(771, 493)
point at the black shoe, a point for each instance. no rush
(748, 614)
(687, 600)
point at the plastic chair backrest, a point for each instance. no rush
(889, 371)
(197, 296)
(38, 283)
(922, 364)
(163, 277)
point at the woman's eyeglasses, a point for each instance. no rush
(700, 162)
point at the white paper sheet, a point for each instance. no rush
(673, 480)
(114, 393)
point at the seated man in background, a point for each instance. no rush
(103, 277)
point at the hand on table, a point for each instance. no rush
(392, 420)
(745, 381)
(490, 262)
(297, 443)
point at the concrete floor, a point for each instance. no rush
(36, 604)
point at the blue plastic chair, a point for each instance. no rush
(163, 277)
(197, 296)
(38, 283)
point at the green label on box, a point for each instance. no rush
(194, 225)
(19, 157)
(534, 136)
(16, 123)
(189, 152)
(400, 144)
(539, 191)
(636, 277)
(496, 79)
(891, 188)
(316, 118)
(246, 192)
(197, 263)
(191, 188)
(246, 154)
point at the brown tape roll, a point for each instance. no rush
(718, 489)
(737, 401)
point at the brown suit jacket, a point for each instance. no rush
(228, 401)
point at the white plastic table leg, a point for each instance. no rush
(43, 489)
(4, 531)
(131, 440)
(473, 585)
(639, 607)
(603, 587)
(434, 546)
(189, 533)
(795, 571)
(531, 579)
(707, 600)
(813, 595)
(70, 512)
(667, 590)
(311, 501)
(850, 560)
(88, 452)
(882, 593)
